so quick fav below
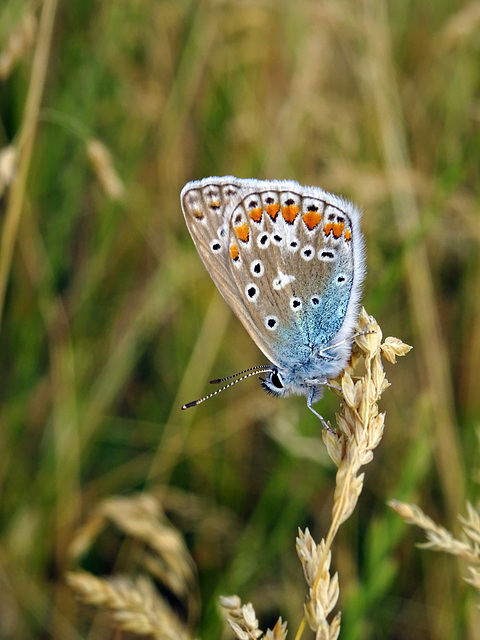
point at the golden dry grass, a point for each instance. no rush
(350, 445)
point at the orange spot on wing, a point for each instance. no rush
(256, 214)
(290, 212)
(338, 228)
(311, 219)
(272, 210)
(242, 232)
(234, 252)
(215, 204)
(328, 228)
(198, 214)
(348, 234)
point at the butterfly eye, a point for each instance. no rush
(276, 380)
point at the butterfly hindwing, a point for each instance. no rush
(288, 259)
(294, 267)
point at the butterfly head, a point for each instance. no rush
(283, 383)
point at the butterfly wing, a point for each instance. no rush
(207, 205)
(297, 269)
(283, 257)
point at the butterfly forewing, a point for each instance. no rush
(207, 206)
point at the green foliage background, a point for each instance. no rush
(110, 322)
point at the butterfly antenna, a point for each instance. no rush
(261, 368)
(248, 373)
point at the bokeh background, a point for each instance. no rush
(110, 322)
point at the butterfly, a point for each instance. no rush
(290, 261)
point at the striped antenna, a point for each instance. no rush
(242, 375)
(261, 368)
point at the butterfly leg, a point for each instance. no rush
(342, 342)
(321, 418)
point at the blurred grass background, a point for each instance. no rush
(110, 322)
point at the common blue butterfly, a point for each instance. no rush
(290, 262)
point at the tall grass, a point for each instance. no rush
(109, 323)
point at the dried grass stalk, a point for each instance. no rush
(133, 604)
(323, 590)
(243, 621)
(359, 425)
(101, 160)
(19, 43)
(8, 166)
(163, 553)
(359, 431)
(440, 539)
(460, 27)
(25, 144)
(157, 553)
